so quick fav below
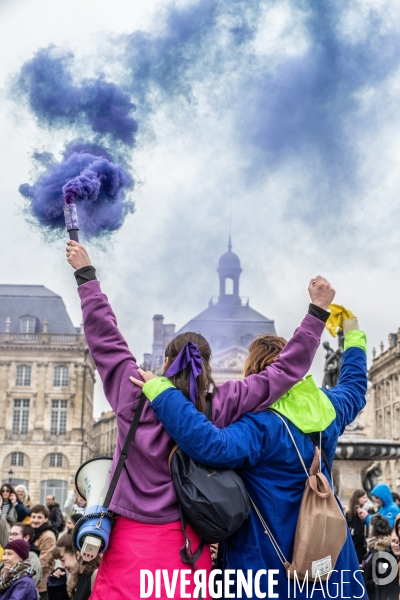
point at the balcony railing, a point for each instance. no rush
(42, 338)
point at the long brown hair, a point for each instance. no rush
(351, 513)
(262, 352)
(65, 543)
(181, 379)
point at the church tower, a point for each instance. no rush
(229, 270)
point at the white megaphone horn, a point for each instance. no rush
(92, 532)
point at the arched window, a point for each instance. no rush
(27, 324)
(23, 375)
(60, 377)
(229, 286)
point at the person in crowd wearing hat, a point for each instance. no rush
(16, 581)
(144, 499)
(45, 539)
(25, 531)
(382, 496)
(81, 577)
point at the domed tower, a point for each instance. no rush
(229, 270)
(229, 323)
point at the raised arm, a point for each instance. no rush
(257, 392)
(107, 346)
(348, 396)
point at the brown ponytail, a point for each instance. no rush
(262, 352)
(181, 379)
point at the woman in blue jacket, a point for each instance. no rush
(260, 448)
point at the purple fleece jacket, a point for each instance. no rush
(145, 491)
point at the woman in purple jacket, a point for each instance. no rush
(16, 581)
(147, 533)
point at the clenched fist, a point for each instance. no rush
(321, 292)
(77, 255)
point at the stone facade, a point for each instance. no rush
(46, 393)
(105, 434)
(384, 376)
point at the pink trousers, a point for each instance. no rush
(136, 546)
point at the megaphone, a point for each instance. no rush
(92, 532)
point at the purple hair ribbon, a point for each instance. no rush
(189, 355)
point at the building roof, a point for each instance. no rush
(229, 321)
(37, 301)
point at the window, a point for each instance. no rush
(60, 377)
(17, 459)
(58, 417)
(21, 417)
(397, 422)
(388, 425)
(388, 391)
(378, 395)
(228, 286)
(56, 459)
(27, 325)
(379, 424)
(23, 375)
(56, 488)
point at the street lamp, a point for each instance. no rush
(10, 474)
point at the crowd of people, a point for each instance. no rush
(36, 553)
(275, 452)
(374, 524)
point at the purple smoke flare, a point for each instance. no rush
(97, 185)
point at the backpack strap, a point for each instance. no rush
(125, 450)
(324, 455)
(292, 438)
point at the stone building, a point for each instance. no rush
(384, 376)
(105, 434)
(228, 323)
(46, 392)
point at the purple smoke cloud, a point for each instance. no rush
(97, 185)
(46, 82)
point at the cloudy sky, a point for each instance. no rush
(286, 111)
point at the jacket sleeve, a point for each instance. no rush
(257, 392)
(4, 532)
(367, 575)
(24, 589)
(47, 544)
(36, 566)
(348, 396)
(58, 517)
(21, 510)
(107, 346)
(71, 498)
(240, 445)
(57, 592)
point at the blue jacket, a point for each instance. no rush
(259, 446)
(389, 509)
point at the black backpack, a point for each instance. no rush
(213, 501)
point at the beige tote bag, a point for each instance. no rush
(321, 529)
